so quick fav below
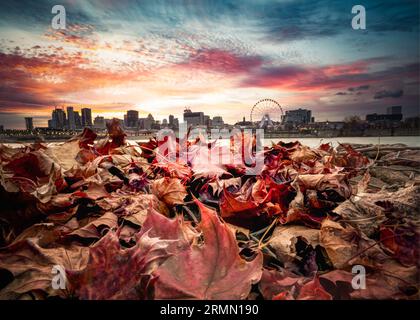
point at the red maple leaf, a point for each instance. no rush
(212, 270)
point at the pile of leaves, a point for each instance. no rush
(126, 222)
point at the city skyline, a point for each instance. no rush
(131, 119)
(143, 114)
(216, 57)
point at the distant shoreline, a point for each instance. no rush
(409, 141)
(268, 135)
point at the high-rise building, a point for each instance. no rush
(132, 118)
(193, 118)
(70, 118)
(171, 120)
(58, 119)
(77, 120)
(29, 123)
(86, 117)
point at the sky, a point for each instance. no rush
(220, 57)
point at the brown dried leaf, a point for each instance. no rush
(170, 190)
(116, 273)
(31, 266)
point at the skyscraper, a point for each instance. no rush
(71, 119)
(58, 118)
(86, 117)
(29, 123)
(77, 120)
(132, 118)
(173, 122)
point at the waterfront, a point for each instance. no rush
(85, 197)
(412, 141)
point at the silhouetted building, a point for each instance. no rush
(77, 120)
(86, 117)
(393, 114)
(29, 123)
(394, 110)
(132, 119)
(58, 119)
(374, 117)
(70, 118)
(298, 116)
(193, 118)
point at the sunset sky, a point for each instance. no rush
(219, 57)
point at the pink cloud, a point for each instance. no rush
(216, 60)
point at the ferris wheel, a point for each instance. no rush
(267, 111)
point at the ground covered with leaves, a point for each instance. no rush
(126, 223)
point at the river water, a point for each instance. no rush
(413, 141)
